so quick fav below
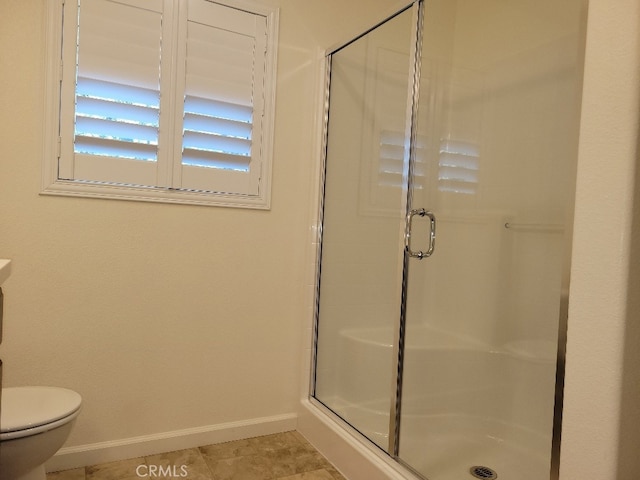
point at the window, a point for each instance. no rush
(161, 100)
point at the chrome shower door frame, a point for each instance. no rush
(413, 92)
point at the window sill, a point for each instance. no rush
(155, 194)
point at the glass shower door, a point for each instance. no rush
(495, 153)
(360, 284)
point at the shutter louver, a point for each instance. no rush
(216, 134)
(117, 93)
(223, 99)
(116, 120)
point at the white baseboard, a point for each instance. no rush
(95, 453)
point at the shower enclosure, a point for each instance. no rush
(447, 203)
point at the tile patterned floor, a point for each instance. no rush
(282, 456)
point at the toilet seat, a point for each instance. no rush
(31, 410)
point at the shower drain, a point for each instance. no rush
(483, 472)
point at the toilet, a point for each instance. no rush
(34, 424)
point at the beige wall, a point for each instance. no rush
(601, 418)
(162, 317)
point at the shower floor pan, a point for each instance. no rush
(447, 447)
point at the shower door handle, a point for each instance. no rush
(419, 254)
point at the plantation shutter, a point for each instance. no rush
(222, 68)
(117, 94)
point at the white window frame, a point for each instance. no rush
(52, 184)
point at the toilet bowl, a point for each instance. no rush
(34, 424)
